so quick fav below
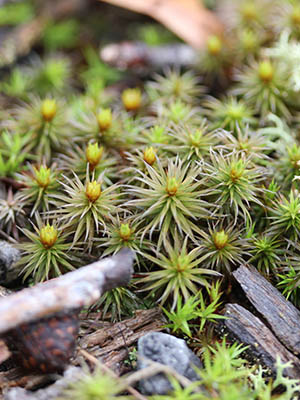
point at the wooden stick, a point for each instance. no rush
(69, 292)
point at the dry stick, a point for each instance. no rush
(69, 292)
(155, 368)
(96, 362)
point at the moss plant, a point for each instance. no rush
(174, 85)
(170, 200)
(263, 86)
(92, 156)
(234, 180)
(85, 209)
(178, 273)
(230, 113)
(40, 182)
(222, 248)
(46, 120)
(46, 255)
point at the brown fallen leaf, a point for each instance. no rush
(186, 18)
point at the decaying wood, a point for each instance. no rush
(107, 334)
(111, 343)
(246, 328)
(188, 19)
(69, 292)
(283, 318)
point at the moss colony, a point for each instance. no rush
(197, 172)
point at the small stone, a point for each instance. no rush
(168, 350)
(9, 256)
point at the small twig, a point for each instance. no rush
(156, 368)
(98, 364)
(69, 292)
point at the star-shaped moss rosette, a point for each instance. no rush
(92, 156)
(47, 254)
(263, 86)
(223, 247)
(191, 142)
(178, 272)
(47, 120)
(40, 182)
(85, 209)
(170, 199)
(175, 85)
(234, 182)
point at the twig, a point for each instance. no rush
(69, 292)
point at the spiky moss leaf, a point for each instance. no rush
(118, 302)
(40, 183)
(247, 143)
(191, 142)
(223, 248)
(166, 211)
(267, 253)
(285, 216)
(44, 262)
(82, 214)
(263, 85)
(234, 182)
(229, 113)
(75, 160)
(96, 386)
(122, 232)
(46, 136)
(174, 85)
(12, 213)
(175, 112)
(178, 274)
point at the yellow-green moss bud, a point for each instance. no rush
(214, 45)
(132, 99)
(93, 191)
(93, 154)
(295, 16)
(220, 239)
(49, 109)
(237, 171)
(195, 138)
(42, 176)
(125, 232)
(249, 11)
(265, 71)
(150, 155)
(172, 186)
(104, 119)
(48, 236)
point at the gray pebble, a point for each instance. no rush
(9, 255)
(168, 350)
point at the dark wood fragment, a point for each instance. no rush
(283, 318)
(244, 327)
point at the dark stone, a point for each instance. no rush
(168, 350)
(9, 255)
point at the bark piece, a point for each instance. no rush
(108, 334)
(243, 326)
(282, 317)
(69, 292)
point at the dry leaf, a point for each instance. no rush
(186, 18)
